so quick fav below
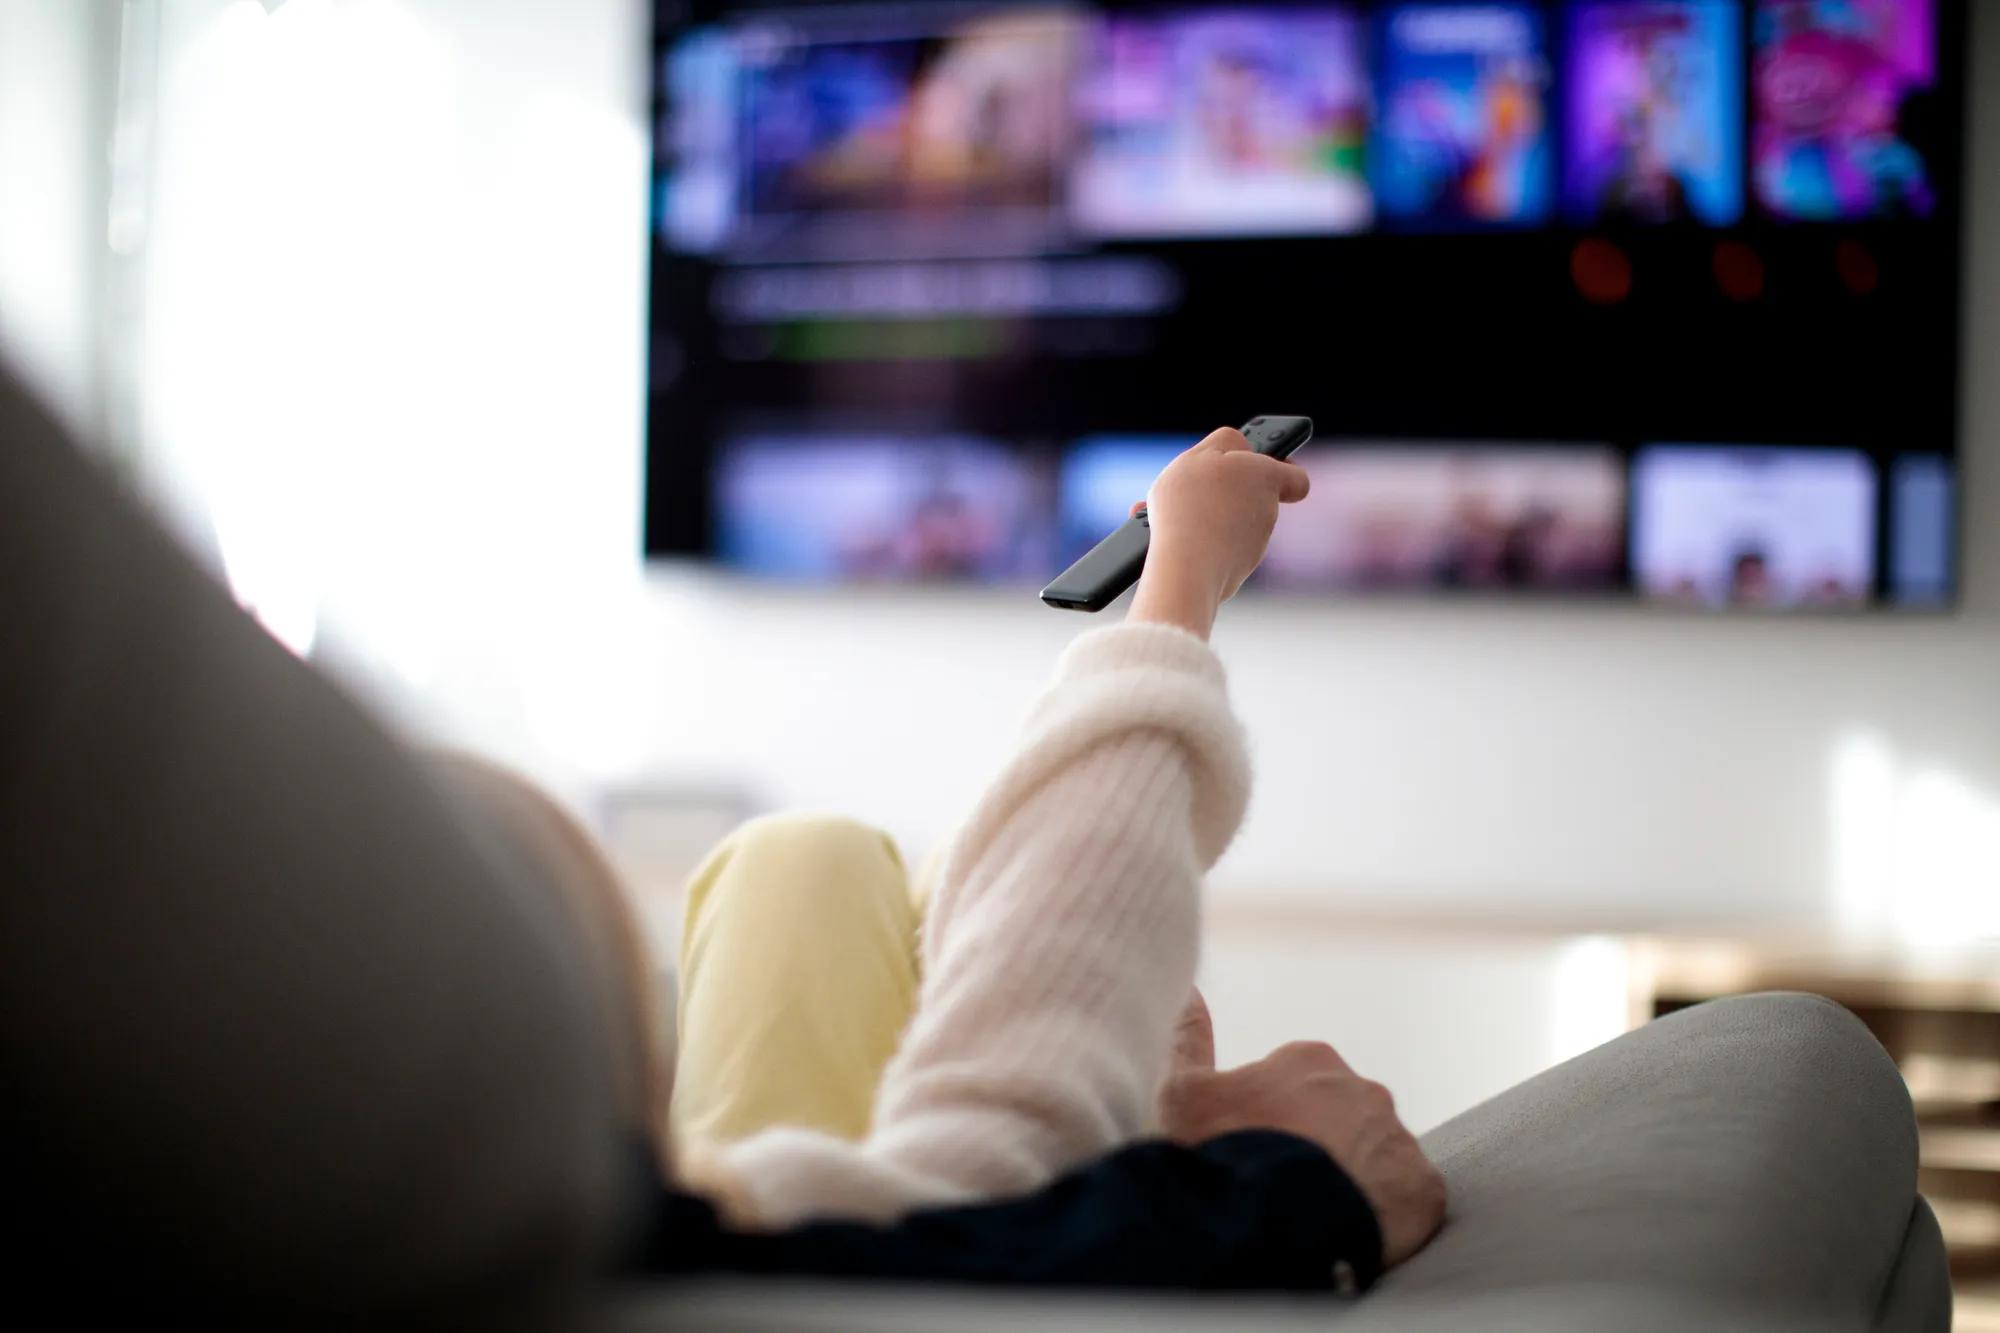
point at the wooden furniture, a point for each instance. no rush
(1938, 1013)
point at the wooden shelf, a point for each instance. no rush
(1944, 1084)
(1978, 1307)
(1953, 1149)
(1938, 1015)
(1860, 976)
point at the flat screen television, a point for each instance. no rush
(1644, 298)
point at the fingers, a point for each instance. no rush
(1194, 1038)
(1292, 481)
(1419, 1214)
(1289, 480)
(1377, 1094)
(1294, 484)
(1304, 1057)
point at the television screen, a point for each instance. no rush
(1754, 527)
(886, 136)
(1553, 277)
(1102, 478)
(1225, 122)
(1464, 517)
(1921, 525)
(866, 508)
(1464, 134)
(1654, 127)
(1846, 114)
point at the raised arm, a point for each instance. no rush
(1061, 944)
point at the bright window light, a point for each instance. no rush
(300, 176)
(1916, 849)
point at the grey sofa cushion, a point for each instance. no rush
(285, 1030)
(1760, 1151)
(1745, 1165)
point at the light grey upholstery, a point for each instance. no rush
(1746, 1165)
(1763, 1148)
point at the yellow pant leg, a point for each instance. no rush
(798, 975)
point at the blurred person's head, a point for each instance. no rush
(1529, 554)
(1750, 579)
(946, 537)
(597, 898)
(1829, 589)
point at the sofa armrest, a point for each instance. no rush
(1749, 1164)
(1759, 1151)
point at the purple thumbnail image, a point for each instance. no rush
(863, 508)
(1840, 129)
(1654, 120)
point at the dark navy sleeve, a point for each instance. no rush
(1257, 1210)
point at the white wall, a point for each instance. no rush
(478, 575)
(1444, 1020)
(52, 59)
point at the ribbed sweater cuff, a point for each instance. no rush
(1122, 647)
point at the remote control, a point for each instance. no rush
(1110, 567)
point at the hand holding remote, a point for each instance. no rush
(1250, 481)
(1211, 512)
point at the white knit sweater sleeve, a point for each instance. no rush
(1059, 949)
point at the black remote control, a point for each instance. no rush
(1110, 567)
